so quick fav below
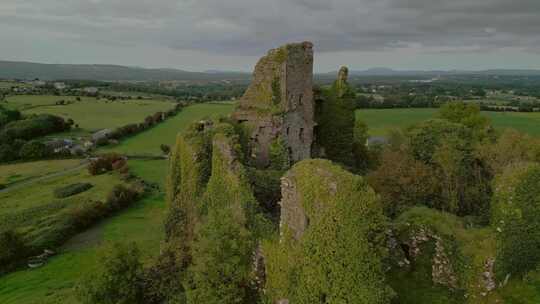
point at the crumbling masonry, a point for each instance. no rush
(278, 105)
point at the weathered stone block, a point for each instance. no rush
(279, 103)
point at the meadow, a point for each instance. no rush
(141, 223)
(6, 84)
(149, 141)
(90, 113)
(381, 121)
(15, 173)
(33, 209)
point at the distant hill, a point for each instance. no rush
(404, 73)
(391, 72)
(28, 70)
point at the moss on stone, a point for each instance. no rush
(229, 185)
(516, 218)
(281, 54)
(338, 259)
(279, 156)
(189, 172)
(446, 260)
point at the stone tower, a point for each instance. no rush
(278, 105)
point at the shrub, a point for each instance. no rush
(221, 267)
(266, 186)
(165, 148)
(516, 218)
(118, 280)
(86, 214)
(7, 116)
(157, 117)
(121, 196)
(8, 153)
(447, 148)
(34, 150)
(279, 156)
(403, 181)
(33, 127)
(12, 250)
(119, 164)
(103, 141)
(71, 190)
(103, 163)
(335, 118)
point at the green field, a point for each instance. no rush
(53, 283)
(148, 142)
(9, 84)
(142, 223)
(32, 209)
(22, 102)
(89, 113)
(381, 121)
(14, 173)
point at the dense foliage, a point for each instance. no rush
(32, 127)
(119, 279)
(339, 257)
(105, 163)
(516, 218)
(7, 116)
(437, 165)
(72, 189)
(16, 136)
(335, 120)
(12, 250)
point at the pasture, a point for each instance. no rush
(149, 141)
(14, 173)
(141, 223)
(381, 121)
(90, 113)
(33, 210)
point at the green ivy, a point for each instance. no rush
(516, 218)
(279, 156)
(339, 257)
(336, 119)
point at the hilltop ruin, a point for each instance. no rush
(278, 106)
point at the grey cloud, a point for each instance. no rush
(247, 27)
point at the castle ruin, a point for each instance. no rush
(278, 105)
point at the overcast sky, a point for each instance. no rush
(231, 34)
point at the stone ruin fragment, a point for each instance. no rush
(278, 105)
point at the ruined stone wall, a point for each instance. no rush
(329, 248)
(278, 105)
(293, 216)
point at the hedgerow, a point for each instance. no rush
(72, 189)
(516, 219)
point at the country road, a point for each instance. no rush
(44, 177)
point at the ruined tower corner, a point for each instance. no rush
(278, 104)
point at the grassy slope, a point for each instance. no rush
(92, 115)
(380, 121)
(18, 172)
(148, 142)
(41, 192)
(141, 223)
(53, 283)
